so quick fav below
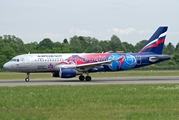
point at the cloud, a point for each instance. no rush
(121, 31)
(130, 35)
(79, 32)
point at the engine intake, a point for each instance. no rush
(65, 73)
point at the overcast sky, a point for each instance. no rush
(130, 20)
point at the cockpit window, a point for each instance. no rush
(15, 60)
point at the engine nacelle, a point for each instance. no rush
(65, 73)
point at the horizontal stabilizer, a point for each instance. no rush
(156, 58)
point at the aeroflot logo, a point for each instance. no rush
(49, 56)
(161, 37)
(155, 43)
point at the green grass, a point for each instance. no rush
(98, 102)
(130, 73)
(17, 75)
(103, 102)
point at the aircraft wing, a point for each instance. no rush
(95, 64)
(86, 66)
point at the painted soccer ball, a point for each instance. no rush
(124, 61)
(114, 65)
(129, 62)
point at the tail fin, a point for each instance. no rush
(156, 42)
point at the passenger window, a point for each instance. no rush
(17, 60)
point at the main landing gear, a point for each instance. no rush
(27, 78)
(87, 78)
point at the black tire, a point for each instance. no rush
(27, 79)
(88, 78)
(81, 78)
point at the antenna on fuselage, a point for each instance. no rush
(28, 52)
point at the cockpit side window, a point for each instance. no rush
(15, 60)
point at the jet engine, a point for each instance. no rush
(65, 73)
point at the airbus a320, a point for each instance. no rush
(73, 64)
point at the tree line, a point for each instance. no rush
(11, 46)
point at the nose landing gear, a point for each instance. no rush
(27, 78)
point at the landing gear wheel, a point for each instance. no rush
(88, 78)
(81, 78)
(27, 79)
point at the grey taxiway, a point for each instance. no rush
(95, 81)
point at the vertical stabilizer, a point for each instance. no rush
(156, 42)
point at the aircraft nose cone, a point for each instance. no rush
(6, 66)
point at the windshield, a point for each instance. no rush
(15, 60)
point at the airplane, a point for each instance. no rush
(73, 64)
